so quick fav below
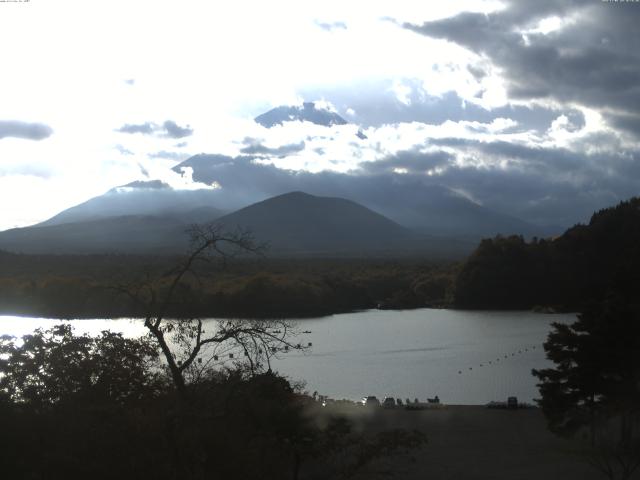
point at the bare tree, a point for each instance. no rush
(191, 346)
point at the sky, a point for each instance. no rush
(530, 108)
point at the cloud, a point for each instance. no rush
(591, 58)
(329, 26)
(375, 104)
(173, 130)
(255, 146)
(123, 150)
(146, 128)
(33, 170)
(409, 162)
(627, 122)
(169, 129)
(28, 131)
(145, 184)
(143, 170)
(169, 155)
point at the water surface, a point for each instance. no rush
(464, 357)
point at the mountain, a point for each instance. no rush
(307, 113)
(301, 224)
(429, 208)
(295, 224)
(439, 210)
(152, 198)
(141, 217)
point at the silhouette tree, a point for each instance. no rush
(596, 383)
(189, 349)
(52, 366)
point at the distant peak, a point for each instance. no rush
(143, 185)
(296, 193)
(308, 112)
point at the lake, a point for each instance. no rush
(464, 357)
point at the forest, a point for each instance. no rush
(565, 273)
(504, 272)
(251, 287)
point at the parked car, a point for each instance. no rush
(370, 401)
(389, 402)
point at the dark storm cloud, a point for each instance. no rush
(168, 129)
(254, 146)
(409, 161)
(552, 161)
(28, 131)
(535, 196)
(594, 61)
(174, 130)
(544, 184)
(627, 122)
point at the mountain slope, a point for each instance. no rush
(303, 224)
(152, 198)
(139, 234)
(127, 234)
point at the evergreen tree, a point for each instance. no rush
(595, 384)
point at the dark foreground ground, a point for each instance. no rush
(473, 442)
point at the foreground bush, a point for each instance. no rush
(82, 407)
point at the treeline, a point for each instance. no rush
(96, 286)
(565, 273)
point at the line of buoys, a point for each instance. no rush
(512, 354)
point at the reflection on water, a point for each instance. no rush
(464, 357)
(18, 326)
